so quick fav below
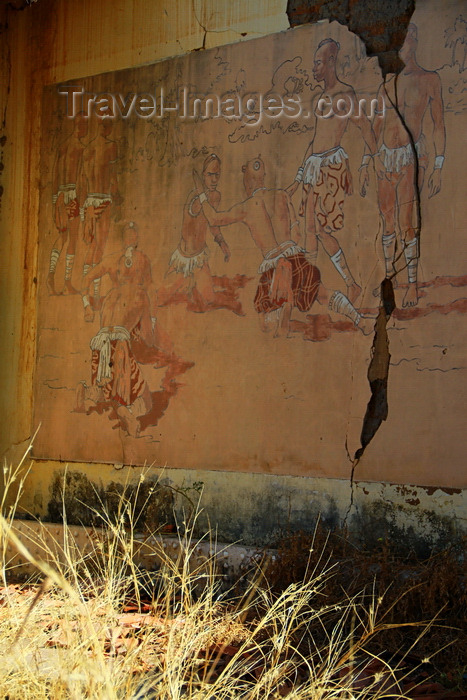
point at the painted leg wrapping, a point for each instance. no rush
(54, 256)
(97, 287)
(341, 305)
(389, 252)
(272, 316)
(69, 266)
(86, 269)
(411, 258)
(340, 263)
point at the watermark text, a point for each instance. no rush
(250, 108)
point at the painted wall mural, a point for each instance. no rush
(214, 230)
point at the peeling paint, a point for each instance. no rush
(432, 489)
(422, 531)
(380, 25)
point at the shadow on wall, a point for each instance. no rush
(85, 502)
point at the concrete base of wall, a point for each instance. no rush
(48, 542)
(254, 510)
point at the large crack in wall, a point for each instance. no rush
(382, 26)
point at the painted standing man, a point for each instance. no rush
(287, 278)
(189, 262)
(100, 185)
(324, 172)
(402, 148)
(65, 176)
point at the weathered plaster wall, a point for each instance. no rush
(46, 43)
(54, 42)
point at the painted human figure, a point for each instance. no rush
(65, 177)
(287, 278)
(324, 172)
(125, 314)
(100, 187)
(189, 263)
(402, 145)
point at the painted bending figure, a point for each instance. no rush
(287, 277)
(125, 316)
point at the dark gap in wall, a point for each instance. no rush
(382, 27)
(380, 24)
(378, 371)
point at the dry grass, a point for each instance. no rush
(409, 588)
(99, 627)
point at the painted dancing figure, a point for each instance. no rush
(324, 173)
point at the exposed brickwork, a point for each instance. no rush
(381, 24)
